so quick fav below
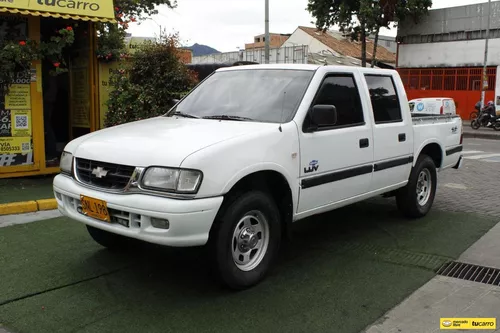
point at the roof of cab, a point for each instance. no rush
(308, 67)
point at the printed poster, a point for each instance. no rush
(81, 98)
(21, 145)
(106, 69)
(21, 122)
(19, 97)
(5, 122)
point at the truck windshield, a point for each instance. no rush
(263, 95)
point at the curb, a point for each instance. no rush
(490, 136)
(27, 206)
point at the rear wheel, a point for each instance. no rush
(416, 198)
(108, 239)
(246, 239)
(475, 124)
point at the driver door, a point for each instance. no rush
(336, 158)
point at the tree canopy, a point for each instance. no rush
(363, 17)
(111, 36)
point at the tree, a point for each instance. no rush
(111, 36)
(148, 82)
(363, 17)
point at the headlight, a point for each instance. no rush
(172, 180)
(66, 162)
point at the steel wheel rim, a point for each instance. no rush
(424, 187)
(250, 240)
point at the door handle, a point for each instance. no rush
(364, 143)
(402, 137)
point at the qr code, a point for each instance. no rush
(22, 122)
(25, 146)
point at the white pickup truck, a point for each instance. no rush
(251, 150)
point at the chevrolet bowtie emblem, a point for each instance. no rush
(100, 172)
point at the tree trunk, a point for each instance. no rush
(375, 44)
(363, 44)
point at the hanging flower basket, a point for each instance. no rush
(16, 57)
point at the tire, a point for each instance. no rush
(475, 124)
(473, 115)
(496, 126)
(107, 239)
(416, 198)
(245, 239)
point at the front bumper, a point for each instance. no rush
(189, 220)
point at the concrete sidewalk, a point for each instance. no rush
(447, 297)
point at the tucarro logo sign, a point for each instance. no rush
(93, 6)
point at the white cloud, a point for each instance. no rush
(228, 24)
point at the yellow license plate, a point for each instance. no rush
(95, 208)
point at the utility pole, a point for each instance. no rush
(266, 56)
(485, 76)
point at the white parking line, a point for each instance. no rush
(477, 157)
(472, 151)
(10, 220)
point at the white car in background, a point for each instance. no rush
(440, 105)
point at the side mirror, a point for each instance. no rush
(323, 115)
(174, 101)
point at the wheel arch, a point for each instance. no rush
(432, 149)
(271, 181)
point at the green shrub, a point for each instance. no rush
(148, 82)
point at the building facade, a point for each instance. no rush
(443, 55)
(275, 41)
(338, 45)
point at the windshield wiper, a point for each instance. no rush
(185, 115)
(228, 117)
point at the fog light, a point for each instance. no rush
(160, 223)
(58, 195)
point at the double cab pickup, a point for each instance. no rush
(249, 151)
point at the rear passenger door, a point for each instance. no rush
(393, 151)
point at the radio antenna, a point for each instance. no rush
(282, 110)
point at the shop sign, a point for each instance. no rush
(91, 8)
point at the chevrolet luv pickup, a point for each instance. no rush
(249, 151)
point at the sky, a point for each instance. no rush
(227, 25)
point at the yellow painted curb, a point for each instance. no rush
(18, 207)
(27, 206)
(47, 204)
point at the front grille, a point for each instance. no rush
(116, 178)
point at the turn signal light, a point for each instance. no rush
(160, 223)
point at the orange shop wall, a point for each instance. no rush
(461, 84)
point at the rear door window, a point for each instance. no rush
(384, 98)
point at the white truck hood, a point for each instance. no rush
(162, 141)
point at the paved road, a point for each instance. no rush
(475, 187)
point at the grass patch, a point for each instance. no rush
(342, 271)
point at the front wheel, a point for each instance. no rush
(496, 126)
(416, 198)
(475, 124)
(246, 239)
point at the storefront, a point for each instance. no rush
(42, 111)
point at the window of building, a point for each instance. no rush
(385, 101)
(340, 90)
